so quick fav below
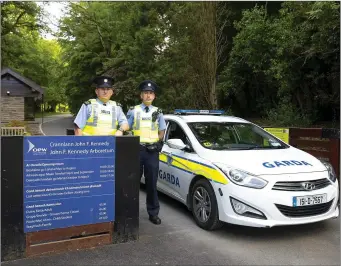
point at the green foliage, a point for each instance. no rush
(120, 42)
(16, 123)
(20, 18)
(137, 41)
(285, 114)
(292, 55)
(26, 52)
(278, 61)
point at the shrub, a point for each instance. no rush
(287, 115)
(16, 123)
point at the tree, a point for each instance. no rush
(286, 62)
(121, 42)
(25, 51)
(20, 17)
(259, 58)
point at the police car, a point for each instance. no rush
(227, 169)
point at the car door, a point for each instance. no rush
(163, 166)
(174, 174)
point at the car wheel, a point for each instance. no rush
(204, 206)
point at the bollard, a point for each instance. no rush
(70, 131)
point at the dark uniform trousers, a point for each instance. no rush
(149, 166)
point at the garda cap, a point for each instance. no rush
(148, 85)
(103, 82)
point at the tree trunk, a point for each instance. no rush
(298, 98)
(213, 56)
(204, 55)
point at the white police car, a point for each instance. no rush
(227, 169)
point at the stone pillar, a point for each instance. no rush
(33, 128)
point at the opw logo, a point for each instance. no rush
(35, 151)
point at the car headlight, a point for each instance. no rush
(330, 169)
(242, 178)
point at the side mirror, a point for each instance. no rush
(176, 144)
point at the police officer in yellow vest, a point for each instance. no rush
(146, 121)
(101, 116)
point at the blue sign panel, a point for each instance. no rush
(68, 181)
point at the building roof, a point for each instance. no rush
(34, 86)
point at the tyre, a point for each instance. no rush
(204, 205)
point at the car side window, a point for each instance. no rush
(166, 131)
(176, 132)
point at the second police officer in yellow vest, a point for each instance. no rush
(146, 121)
(101, 116)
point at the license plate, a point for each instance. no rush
(309, 200)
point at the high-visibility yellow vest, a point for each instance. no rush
(144, 126)
(102, 120)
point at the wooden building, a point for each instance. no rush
(18, 96)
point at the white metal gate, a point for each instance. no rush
(12, 131)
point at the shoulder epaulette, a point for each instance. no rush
(90, 101)
(131, 107)
(118, 104)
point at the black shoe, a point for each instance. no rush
(155, 219)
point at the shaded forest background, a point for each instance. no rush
(274, 62)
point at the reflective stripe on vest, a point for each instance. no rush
(102, 120)
(144, 126)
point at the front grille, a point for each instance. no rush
(304, 211)
(297, 185)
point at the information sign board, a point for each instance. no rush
(68, 181)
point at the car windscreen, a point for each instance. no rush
(233, 136)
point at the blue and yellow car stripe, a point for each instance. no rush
(193, 167)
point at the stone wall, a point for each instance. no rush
(12, 108)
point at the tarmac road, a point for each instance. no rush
(179, 241)
(56, 125)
